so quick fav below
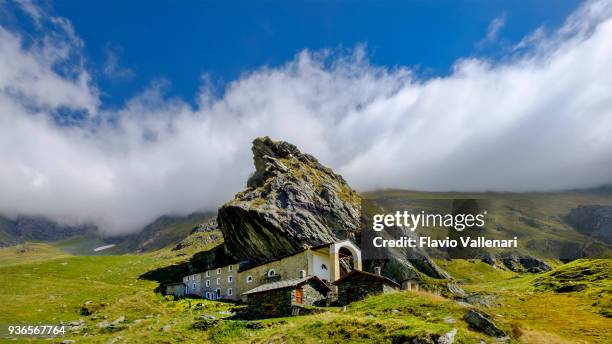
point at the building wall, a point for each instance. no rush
(286, 268)
(223, 278)
(312, 293)
(318, 261)
(194, 284)
(271, 303)
(358, 287)
(280, 302)
(290, 267)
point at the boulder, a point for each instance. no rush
(291, 201)
(480, 322)
(534, 265)
(90, 307)
(525, 264)
(512, 263)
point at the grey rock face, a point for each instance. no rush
(534, 265)
(592, 220)
(525, 263)
(482, 323)
(291, 200)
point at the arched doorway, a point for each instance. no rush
(346, 260)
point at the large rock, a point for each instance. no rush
(480, 322)
(525, 263)
(291, 200)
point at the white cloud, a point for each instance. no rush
(541, 120)
(112, 68)
(494, 27)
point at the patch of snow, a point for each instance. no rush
(97, 249)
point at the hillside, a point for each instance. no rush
(84, 240)
(539, 220)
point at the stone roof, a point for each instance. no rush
(367, 274)
(295, 282)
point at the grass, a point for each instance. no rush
(45, 285)
(474, 270)
(529, 305)
(29, 253)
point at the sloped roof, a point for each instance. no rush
(295, 282)
(367, 274)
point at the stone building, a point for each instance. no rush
(410, 284)
(283, 297)
(176, 289)
(329, 262)
(193, 284)
(358, 284)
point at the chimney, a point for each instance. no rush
(377, 270)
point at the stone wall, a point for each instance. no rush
(286, 268)
(177, 290)
(282, 302)
(272, 303)
(357, 287)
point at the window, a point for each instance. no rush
(230, 279)
(230, 268)
(208, 283)
(229, 291)
(218, 281)
(323, 267)
(249, 279)
(218, 293)
(207, 273)
(208, 295)
(271, 273)
(193, 286)
(218, 271)
(302, 273)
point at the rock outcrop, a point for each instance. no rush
(525, 264)
(480, 322)
(291, 200)
(592, 220)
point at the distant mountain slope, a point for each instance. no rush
(38, 228)
(82, 240)
(539, 219)
(166, 230)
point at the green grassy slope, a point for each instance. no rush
(44, 285)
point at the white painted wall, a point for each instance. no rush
(317, 261)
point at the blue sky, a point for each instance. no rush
(181, 41)
(130, 111)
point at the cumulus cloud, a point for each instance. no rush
(541, 119)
